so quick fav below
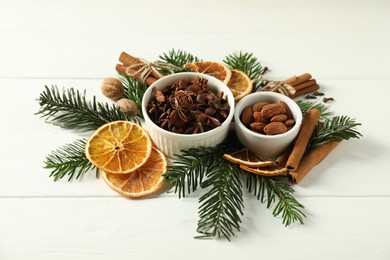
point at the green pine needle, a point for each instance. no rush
(134, 90)
(271, 189)
(307, 105)
(69, 160)
(206, 168)
(334, 130)
(179, 58)
(70, 109)
(221, 207)
(188, 171)
(248, 63)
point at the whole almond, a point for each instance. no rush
(272, 110)
(275, 128)
(289, 122)
(279, 118)
(247, 116)
(259, 106)
(287, 108)
(257, 127)
(259, 117)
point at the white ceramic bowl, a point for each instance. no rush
(268, 146)
(172, 143)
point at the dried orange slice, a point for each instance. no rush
(248, 158)
(144, 181)
(268, 171)
(240, 84)
(118, 147)
(215, 69)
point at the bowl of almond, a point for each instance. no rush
(267, 123)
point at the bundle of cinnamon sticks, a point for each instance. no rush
(303, 84)
(296, 159)
(130, 66)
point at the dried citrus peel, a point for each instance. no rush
(118, 147)
(265, 172)
(144, 181)
(248, 158)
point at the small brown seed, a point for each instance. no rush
(257, 127)
(275, 128)
(327, 99)
(317, 93)
(310, 97)
(247, 116)
(259, 106)
(289, 122)
(279, 118)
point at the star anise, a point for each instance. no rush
(188, 107)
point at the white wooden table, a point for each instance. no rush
(343, 44)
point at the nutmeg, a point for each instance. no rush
(127, 106)
(112, 88)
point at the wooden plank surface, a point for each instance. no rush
(111, 228)
(344, 44)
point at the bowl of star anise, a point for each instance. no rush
(187, 110)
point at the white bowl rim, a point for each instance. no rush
(212, 132)
(237, 119)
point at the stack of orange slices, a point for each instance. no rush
(124, 154)
(238, 82)
(250, 162)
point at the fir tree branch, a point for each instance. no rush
(178, 58)
(334, 130)
(221, 207)
(134, 90)
(206, 168)
(69, 160)
(187, 172)
(70, 109)
(267, 189)
(307, 105)
(247, 63)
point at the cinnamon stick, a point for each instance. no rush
(310, 160)
(305, 84)
(307, 128)
(123, 70)
(307, 90)
(128, 60)
(282, 159)
(296, 80)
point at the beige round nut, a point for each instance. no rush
(275, 128)
(112, 88)
(247, 116)
(272, 110)
(127, 106)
